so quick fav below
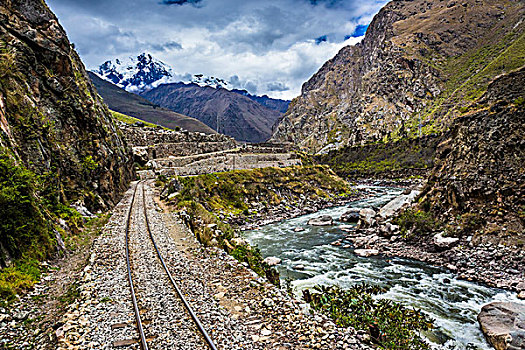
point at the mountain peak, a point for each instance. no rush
(136, 73)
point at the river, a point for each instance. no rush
(453, 303)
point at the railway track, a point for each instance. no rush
(135, 284)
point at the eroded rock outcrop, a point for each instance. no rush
(477, 184)
(52, 120)
(418, 65)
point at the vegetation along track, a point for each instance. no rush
(164, 317)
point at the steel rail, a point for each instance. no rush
(179, 292)
(143, 342)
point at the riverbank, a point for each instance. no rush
(324, 255)
(362, 191)
(495, 265)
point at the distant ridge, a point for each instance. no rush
(133, 105)
(228, 112)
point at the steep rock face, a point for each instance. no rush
(53, 121)
(478, 181)
(419, 63)
(226, 112)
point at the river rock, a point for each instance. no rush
(272, 260)
(347, 228)
(396, 204)
(503, 324)
(298, 229)
(366, 217)
(366, 252)
(388, 229)
(325, 220)
(350, 216)
(443, 243)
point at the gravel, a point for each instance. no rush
(239, 309)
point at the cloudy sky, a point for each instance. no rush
(266, 46)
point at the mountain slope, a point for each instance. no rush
(127, 103)
(420, 63)
(266, 101)
(58, 141)
(227, 112)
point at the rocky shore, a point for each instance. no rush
(495, 265)
(270, 214)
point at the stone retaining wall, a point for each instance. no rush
(161, 143)
(224, 162)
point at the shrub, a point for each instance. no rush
(416, 221)
(22, 222)
(18, 278)
(389, 324)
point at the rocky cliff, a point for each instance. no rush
(225, 111)
(57, 136)
(420, 63)
(478, 182)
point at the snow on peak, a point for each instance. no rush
(202, 80)
(135, 73)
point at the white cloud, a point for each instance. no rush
(261, 42)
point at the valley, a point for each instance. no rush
(382, 208)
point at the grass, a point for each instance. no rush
(389, 324)
(131, 120)
(380, 158)
(235, 191)
(413, 222)
(18, 279)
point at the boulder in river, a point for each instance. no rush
(298, 229)
(503, 324)
(396, 204)
(366, 217)
(272, 261)
(325, 220)
(366, 252)
(350, 216)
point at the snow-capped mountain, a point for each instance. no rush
(144, 72)
(202, 80)
(136, 73)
